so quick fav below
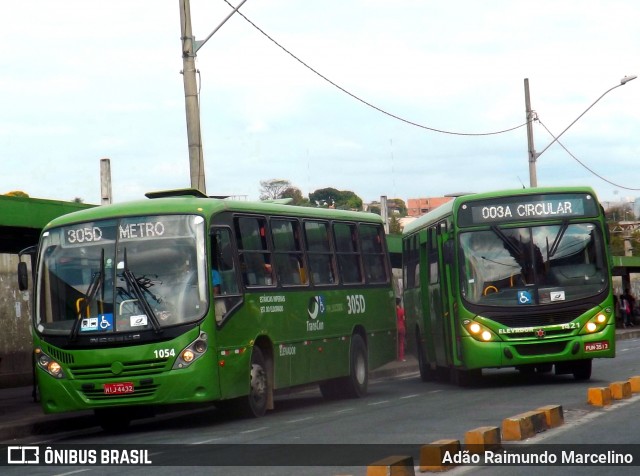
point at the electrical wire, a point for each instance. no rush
(581, 163)
(366, 103)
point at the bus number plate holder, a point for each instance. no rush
(120, 388)
(596, 346)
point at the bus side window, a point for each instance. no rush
(346, 239)
(254, 253)
(287, 252)
(223, 267)
(321, 265)
(371, 237)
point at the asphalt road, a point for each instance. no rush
(398, 411)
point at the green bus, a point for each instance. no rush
(518, 278)
(184, 298)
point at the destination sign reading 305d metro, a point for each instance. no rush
(526, 208)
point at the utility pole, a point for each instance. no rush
(105, 181)
(192, 106)
(533, 179)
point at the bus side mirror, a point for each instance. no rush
(23, 276)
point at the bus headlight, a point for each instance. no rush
(47, 364)
(596, 323)
(478, 331)
(192, 352)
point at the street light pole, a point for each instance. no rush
(533, 156)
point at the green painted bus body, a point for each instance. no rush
(547, 327)
(305, 332)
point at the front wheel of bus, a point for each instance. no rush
(112, 420)
(427, 374)
(255, 404)
(582, 369)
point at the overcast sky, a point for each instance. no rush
(82, 79)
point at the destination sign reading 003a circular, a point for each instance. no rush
(527, 208)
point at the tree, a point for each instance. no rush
(331, 197)
(395, 227)
(273, 189)
(17, 193)
(296, 195)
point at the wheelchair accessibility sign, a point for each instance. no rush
(524, 297)
(104, 322)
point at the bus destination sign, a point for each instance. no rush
(523, 208)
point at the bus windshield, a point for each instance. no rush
(537, 265)
(122, 275)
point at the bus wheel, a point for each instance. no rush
(358, 380)
(330, 389)
(582, 369)
(465, 378)
(112, 420)
(427, 374)
(255, 404)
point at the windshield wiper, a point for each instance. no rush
(138, 293)
(97, 281)
(556, 242)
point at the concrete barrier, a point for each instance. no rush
(432, 455)
(635, 383)
(523, 426)
(392, 466)
(620, 390)
(599, 396)
(553, 414)
(482, 439)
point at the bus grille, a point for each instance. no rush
(57, 354)
(130, 369)
(536, 318)
(541, 349)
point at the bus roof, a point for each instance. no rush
(207, 206)
(447, 208)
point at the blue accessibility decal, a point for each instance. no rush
(524, 297)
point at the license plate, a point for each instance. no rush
(118, 388)
(595, 346)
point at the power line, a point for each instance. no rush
(366, 103)
(581, 163)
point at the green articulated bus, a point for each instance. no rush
(517, 278)
(185, 298)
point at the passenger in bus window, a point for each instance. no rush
(216, 281)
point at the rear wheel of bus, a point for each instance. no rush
(356, 383)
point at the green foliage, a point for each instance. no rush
(395, 228)
(17, 193)
(296, 195)
(331, 197)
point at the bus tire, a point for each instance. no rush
(113, 420)
(355, 385)
(582, 369)
(465, 378)
(254, 405)
(427, 374)
(330, 389)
